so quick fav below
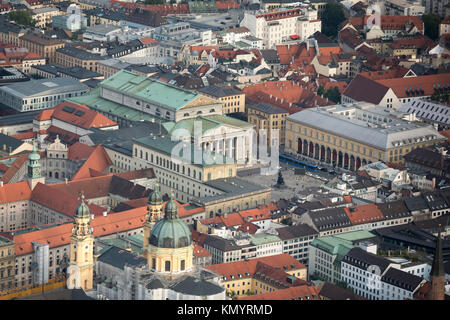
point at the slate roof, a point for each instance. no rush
(119, 258)
(334, 292)
(415, 203)
(197, 287)
(267, 108)
(362, 259)
(402, 279)
(220, 91)
(394, 210)
(330, 219)
(297, 231)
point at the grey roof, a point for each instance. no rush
(333, 119)
(102, 28)
(44, 87)
(402, 279)
(231, 187)
(155, 284)
(270, 55)
(415, 203)
(8, 141)
(394, 209)
(362, 259)
(115, 63)
(221, 243)
(75, 72)
(334, 292)
(79, 53)
(267, 108)
(220, 91)
(137, 130)
(197, 287)
(330, 219)
(20, 118)
(297, 231)
(119, 258)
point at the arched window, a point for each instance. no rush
(154, 263)
(212, 110)
(167, 266)
(186, 114)
(199, 112)
(182, 265)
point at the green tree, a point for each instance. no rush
(321, 90)
(431, 24)
(280, 180)
(332, 17)
(21, 17)
(333, 94)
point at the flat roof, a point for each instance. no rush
(44, 87)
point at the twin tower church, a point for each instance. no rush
(167, 243)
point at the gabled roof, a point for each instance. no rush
(15, 192)
(98, 160)
(304, 292)
(364, 214)
(78, 115)
(284, 261)
(365, 89)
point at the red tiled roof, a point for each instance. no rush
(284, 261)
(241, 217)
(25, 135)
(45, 115)
(304, 292)
(60, 200)
(446, 133)
(12, 170)
(79, 151)
(364, 213)
(60, 235)
(396, 72)
(280, 14)
(425, 82)
(389, 22)
(248, 227)
(98, 160)
(226, 5)
(200, 252)
(15, 192)
(82, 116)
(147, 40)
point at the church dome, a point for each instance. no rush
(82, 209)
(171, 232)
(34, 155)
(155, 196)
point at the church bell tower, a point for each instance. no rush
(82, 249)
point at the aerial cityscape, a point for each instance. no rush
(225, 150)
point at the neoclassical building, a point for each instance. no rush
(351, 135)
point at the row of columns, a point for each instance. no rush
(325, 154)
(233, 148)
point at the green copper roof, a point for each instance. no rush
(82, 210)
(171, 232)
(332, 245)
(34, 155)
(264, 238)
(153, 91)
(155, 196)
(355, 235)
(167, 146)
(206, 122)
(94, 101)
